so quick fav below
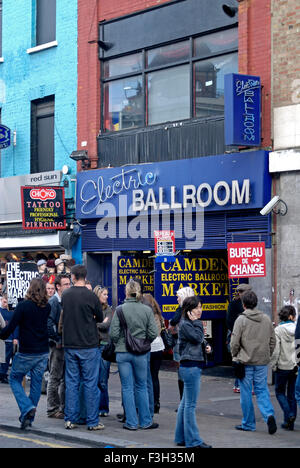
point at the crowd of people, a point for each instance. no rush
(70, 330)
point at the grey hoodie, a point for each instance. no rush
(253, 339)
(284, 356)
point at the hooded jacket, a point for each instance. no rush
(253, 338)
(284, 356)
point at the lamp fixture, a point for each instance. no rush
(81, 155)
(230, 11)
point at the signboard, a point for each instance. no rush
(5, 136)
(246, 259)
(43, 208)
(18, 277)
(225, 182)
(164, 243)
(206, 274)
(131, 267)
(242, 110)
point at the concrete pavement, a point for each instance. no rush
(217, 413)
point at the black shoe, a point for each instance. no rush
(129, 428)
(240, 428)
(181, 444)
(272, 426)
(4, 380)
(27, 421)
(121, 418)
(153, 426)
(203, 445)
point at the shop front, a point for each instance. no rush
(36, 238)
(208, 201)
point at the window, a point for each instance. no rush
(169, 95)
(45, 21)
(178, 81)
(42, 135)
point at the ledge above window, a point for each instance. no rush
(38, 48)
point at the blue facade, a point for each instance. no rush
(25, 77)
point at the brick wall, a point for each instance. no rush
(286, 52)
(255, 52)
(88, 64)
(25, 77)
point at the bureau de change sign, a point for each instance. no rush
(246, 259)
(43, 207)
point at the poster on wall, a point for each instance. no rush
(43, 208)
(206, 275)
(18, 277)
(132, 267)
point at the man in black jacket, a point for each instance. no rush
(56, 384)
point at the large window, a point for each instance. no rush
(169, 83)
(42, 135)
(45, 21)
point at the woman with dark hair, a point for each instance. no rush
(31, 316)
(191, 350)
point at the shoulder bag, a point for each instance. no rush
(134, 345)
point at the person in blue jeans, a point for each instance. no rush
(133, 369)
(284, 366)
(252, 344)
(9, 343)
(81, 312)
(31, 316)
(191, 350)
(103, 329)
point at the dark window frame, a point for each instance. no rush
(40, 109)
(191, 60)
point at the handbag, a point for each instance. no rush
(109, 352)
(134, 345)
(168, 339)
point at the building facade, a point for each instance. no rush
(284, 160)
(152, 121)
(38, 101)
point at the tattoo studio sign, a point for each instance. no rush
(43, 208)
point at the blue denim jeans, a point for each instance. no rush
(103, 383)
(297, 388)
(186, 425)
(285, 381)
(36, 364)
(82, 365)
(133, 372)
(256, 377)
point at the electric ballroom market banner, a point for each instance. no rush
(43, 208)
(206, 275)
(131, 267)
(18, 277)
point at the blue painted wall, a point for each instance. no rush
(25, 77)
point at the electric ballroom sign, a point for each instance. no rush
(246, 260)
(43, 208)
(242, 110)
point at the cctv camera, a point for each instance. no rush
(269, 207)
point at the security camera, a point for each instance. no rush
(271, 205)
